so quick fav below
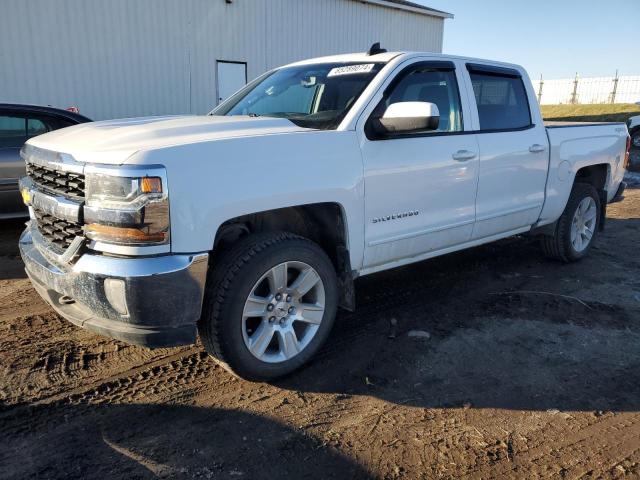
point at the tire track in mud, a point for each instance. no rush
(170, 377)
(46, 355)
(579, 453)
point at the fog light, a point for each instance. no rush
(114, 289)
(26, 196)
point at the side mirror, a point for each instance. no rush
(407, 117)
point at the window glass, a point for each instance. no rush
(35, 127)
(502, 102)
(12, 131)
(429, 85)
(313, 96)
(295, 99)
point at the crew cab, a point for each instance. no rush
(248, 226)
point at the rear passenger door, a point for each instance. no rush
(513, 151)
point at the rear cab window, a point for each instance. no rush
(501, 98)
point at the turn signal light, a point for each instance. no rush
(99, 232)
(151, 185)
(627, 155)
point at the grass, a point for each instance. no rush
(618, 112)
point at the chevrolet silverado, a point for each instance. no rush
(248, 226)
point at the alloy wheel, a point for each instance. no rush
(583, 225)
(283, 312)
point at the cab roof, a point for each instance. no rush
(386, 57)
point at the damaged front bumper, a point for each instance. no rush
(151, 301)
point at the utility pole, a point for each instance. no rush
(574, 95)
(612, 97)
(540, 90)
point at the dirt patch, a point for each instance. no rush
(529, 369)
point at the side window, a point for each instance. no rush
(36, 127)
(427, 84)
(502, 101)
(13, 131)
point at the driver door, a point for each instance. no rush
(420, 188)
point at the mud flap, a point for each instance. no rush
(347, 299)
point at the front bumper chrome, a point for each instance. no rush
(151, 301)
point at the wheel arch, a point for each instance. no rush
(598, 176)
(323, 223)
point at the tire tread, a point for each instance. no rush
(220, 278)
(554, 246)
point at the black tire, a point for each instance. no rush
(230, 283)
(558, 246)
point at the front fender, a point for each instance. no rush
(214, 181)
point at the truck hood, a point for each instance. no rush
(113, 141)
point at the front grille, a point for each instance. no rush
(59, 232)
(59, 182)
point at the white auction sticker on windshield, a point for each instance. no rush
(351, 69)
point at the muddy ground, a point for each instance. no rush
(531, 369)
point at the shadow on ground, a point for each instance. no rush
(154, 441)
(507, 329)
(11, 266)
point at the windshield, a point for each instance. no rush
(311, 96)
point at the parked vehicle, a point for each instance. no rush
(18, 123)
(250, 225)
(634, 130)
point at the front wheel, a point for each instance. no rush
(270, 305)
(577, 227)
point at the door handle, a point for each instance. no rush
(537, 148)
(463, 155)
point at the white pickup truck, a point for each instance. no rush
(248, 226)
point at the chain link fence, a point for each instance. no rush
(588, 90)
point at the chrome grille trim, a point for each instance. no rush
(50, 159)
(58, 232)
(58, 182)
(55, 182)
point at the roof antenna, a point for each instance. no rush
(375, 49)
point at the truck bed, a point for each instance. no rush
(574, 148)
(564, 124)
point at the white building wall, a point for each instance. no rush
(122, 58)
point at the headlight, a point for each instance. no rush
(126, 206)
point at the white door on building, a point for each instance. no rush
(232, 76)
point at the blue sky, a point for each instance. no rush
(555, 38)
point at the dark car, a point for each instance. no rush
(19, 123)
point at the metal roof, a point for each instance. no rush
(409, 6)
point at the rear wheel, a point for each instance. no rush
(270, 304)
(577, 227)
